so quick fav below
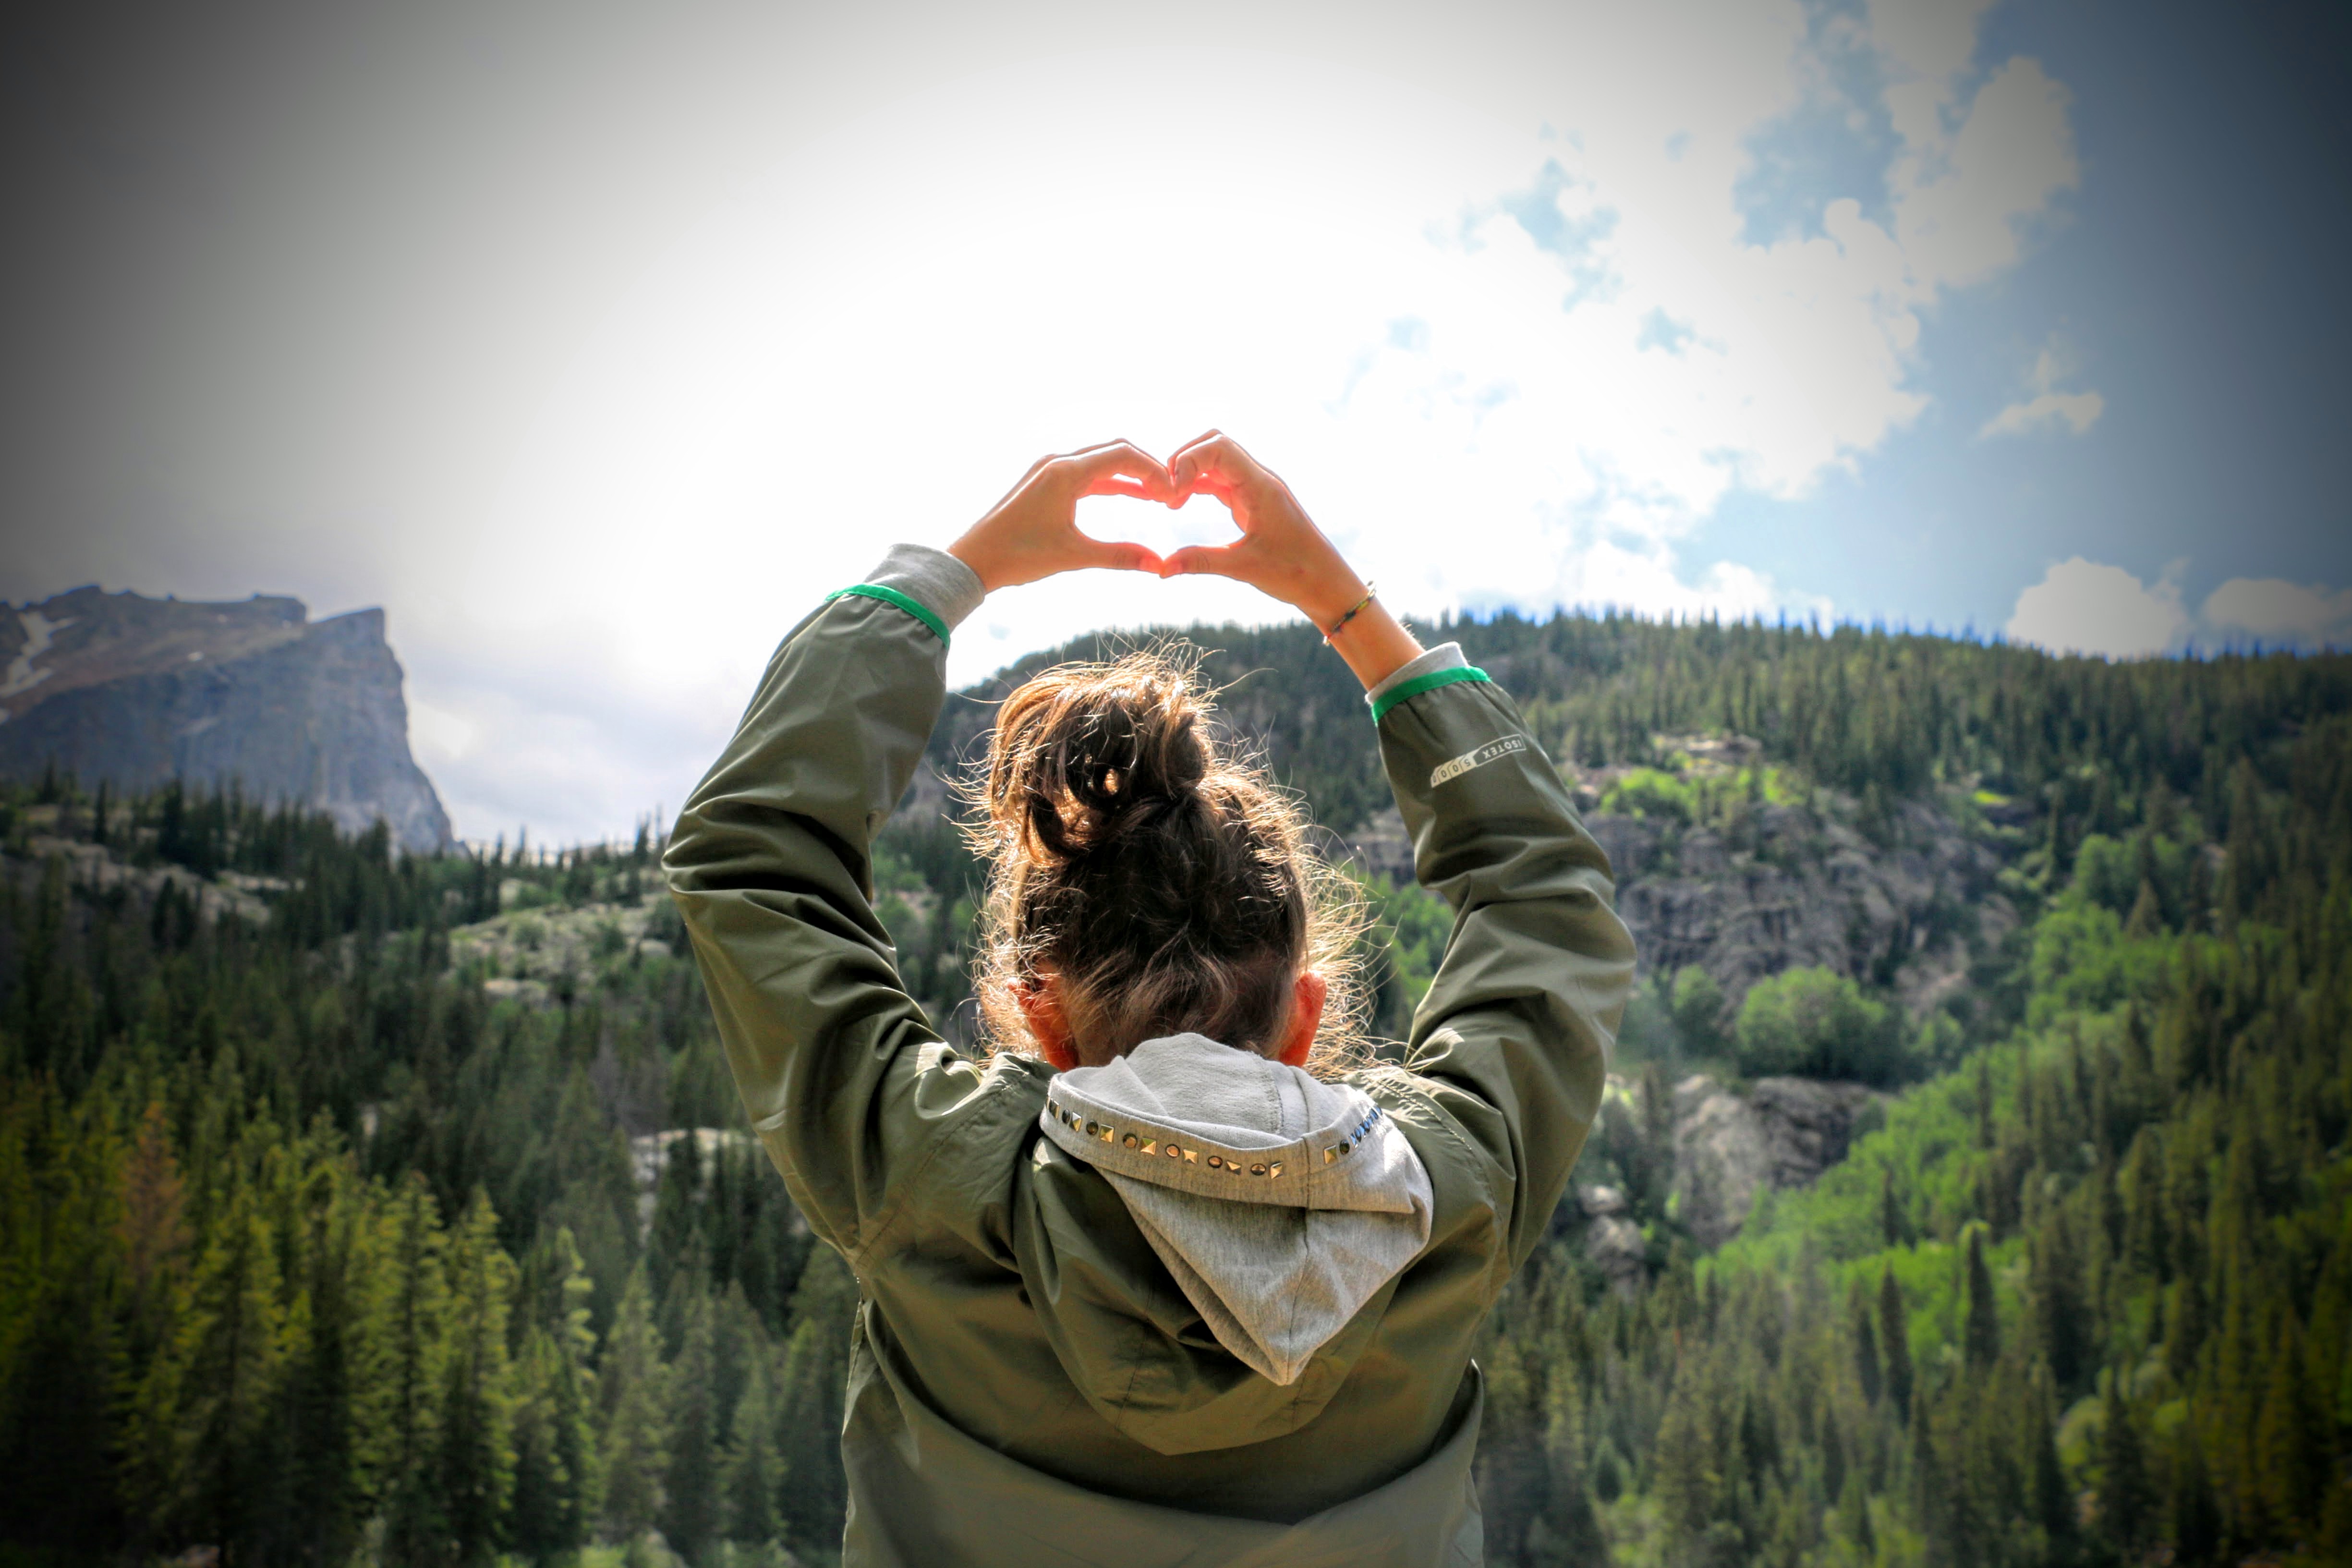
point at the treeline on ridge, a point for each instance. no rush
(317, 1242)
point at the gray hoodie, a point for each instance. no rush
(1280, 1203)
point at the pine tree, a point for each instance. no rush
(59, 1429)
(2185, 1325)
(1866, 1347)
(402, 1423)
(752, 1475)
(476, 1457)
(632, 1383)
(1895, 1336)
(2195, 1517)
(2329, 1335)
(816, 1372)
(690, 1519)
(312, 1501)
(1982, 1337)
(1568, 1515)
(216, 1382)
(1984, 1100)
(152, 1229)
(2127, 1492)
(559, 1472)
(676, 1236)
(2052, 1504)
(1833, 1455)
(1511, 1473)
(1688, 1471)
(1855, 1506)
(1933, 1489)
(2058, 1307)
(2293, 1445)
(544, 1523)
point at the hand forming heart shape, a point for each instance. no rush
(1033, 533)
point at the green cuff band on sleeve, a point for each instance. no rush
(1421, 683)
(913, 607)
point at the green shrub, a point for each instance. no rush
(1650, 792)
(2107, 872)
(1818, 1024)
(1697, 1009)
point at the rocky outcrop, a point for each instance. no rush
(1782, 1134)
(1612, 1239)
(135, 692)
(1800, 888)
(1722, 1148)
(100, 871)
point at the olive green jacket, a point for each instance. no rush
(1028, 1384)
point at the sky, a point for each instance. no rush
(594, 342)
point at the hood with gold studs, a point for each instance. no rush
(1280, 1203)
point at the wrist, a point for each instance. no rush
(1375, 645)
(1331, 598)
(982, 564)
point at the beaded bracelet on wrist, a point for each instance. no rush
(1370, 589)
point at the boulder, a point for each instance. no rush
(1619, 1250)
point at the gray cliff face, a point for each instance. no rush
(136, 691)
(1803, 890)
(1715, 1151)
(1799, 887)
(1782, 1134)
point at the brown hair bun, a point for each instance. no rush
(1159, 876)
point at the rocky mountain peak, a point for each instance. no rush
(132, 692)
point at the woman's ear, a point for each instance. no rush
(1040, 1002)
(1307, 993)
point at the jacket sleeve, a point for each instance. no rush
(844, 1079)
(1517, 1027)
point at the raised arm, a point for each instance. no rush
(842, 1076)
(1284, 555)
(1515, 1028)
(1520, 1018)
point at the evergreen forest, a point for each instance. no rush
(357, 1207)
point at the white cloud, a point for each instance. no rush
(2048, 407)
(1961, 200)
(2082, 606)
(2077, 411)
(2278, 614)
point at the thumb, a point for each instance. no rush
(1214, 559)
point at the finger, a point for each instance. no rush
(1202, 483)
(1121, 555)
(1214, 560)
(1185, 463)
(1117, 487)
(1184, 489)
(1216, 463)
(1114, 460)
